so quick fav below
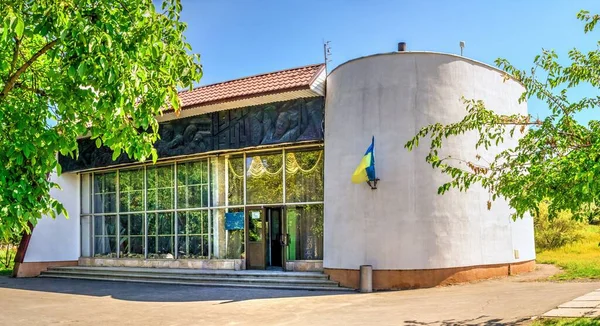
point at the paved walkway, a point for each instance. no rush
(511, 301)
(587, 305)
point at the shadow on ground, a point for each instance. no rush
(147, 292)
(479, 321)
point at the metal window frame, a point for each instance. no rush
(118, 209)
(175, 215)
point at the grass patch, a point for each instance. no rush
(3, 269)
(579, 260)
(566, 322)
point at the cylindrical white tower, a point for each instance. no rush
(412, 236)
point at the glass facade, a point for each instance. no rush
(178, 210)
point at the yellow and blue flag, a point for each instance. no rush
(366, 169)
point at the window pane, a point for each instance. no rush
(98, 204)
(105, 225)
(132, 224)
(165, 246)
(98, 179)
(105, 195)
(195, 172)
(193, 247)
(181, 225)
(105, 247)
(86, 193)
(165, 224)
(217, 180)
(132, 247)
(305, 229)
(193, 198)
(192, 181)
(204, 190)
(131, 236)
(165, 198)
(109, 202)
(235, 173)
(264, 178)
(110, 182)
(193, 235)
(194, 222)
(160, 235)
(204, 230)
(304, 176)
(131, 190)
(160, 187)
(255, 225)
(105, 240)
(86, 236)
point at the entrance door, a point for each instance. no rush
(275, 238)
(255, 235)
(266, 238)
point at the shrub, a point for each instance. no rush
(556, 232)
(8, 249)
(590, 213)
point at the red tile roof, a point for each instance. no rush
(259, 85)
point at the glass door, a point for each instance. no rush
(255, 238)
(275, 230)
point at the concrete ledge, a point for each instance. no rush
(33, 269)
(228, 264)
(304, 266)
(424, 278)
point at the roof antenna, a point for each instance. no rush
(326, 53)
(462, 47)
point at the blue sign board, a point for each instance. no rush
(234, 221)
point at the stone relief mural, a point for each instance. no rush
(273, 123)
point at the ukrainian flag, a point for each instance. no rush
(366, 169)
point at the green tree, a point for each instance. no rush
(81, 67)
(557, 157)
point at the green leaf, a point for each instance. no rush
(5, 31)
(20, 27)
(82, 69)
(71, 72)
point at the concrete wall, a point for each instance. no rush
(58, 239)
(404, 224)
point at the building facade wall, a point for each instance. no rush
(55, 242)
(405, 224)
(58, 239)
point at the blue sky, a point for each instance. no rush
(239, 38)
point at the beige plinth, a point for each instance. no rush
(33, 269)
(304, 266)
(412, 279)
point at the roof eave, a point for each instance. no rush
(287, 94)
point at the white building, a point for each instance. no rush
(255, 174)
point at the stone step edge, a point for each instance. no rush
(194, 272)
(194, 277)
(256, 286)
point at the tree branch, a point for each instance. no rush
(13, 79)
(15, 55)
(22, 86)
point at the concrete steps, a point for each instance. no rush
(221, 278)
